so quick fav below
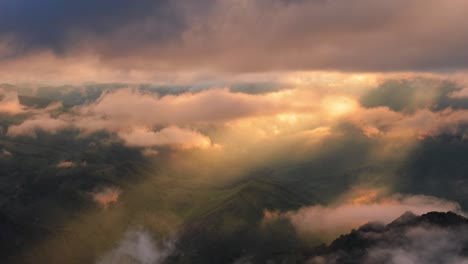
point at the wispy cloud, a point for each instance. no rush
(138, 246)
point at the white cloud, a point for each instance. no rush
(40, 122)
(430, 245)
(138, 246)
(341, 218)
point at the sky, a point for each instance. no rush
(361, 104)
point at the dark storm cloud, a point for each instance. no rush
(51, 24)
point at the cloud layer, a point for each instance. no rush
(334, 220)
(137, 39)
(434, 237)
(193, 119)
(422, 245)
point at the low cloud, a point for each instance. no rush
(131, 115)
(107, 196)
(338, 219)
(169, 136)
(138, 246)
(439, 238)
(212, 105)
(149, 152)
(41, 122)
(9, 103)
(66, 164)
(143, 119)
(429, 245)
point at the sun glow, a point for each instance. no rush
(339, 106)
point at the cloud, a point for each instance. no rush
(65, 164)
(429, 245)
(133, 114)
(169, 136)
(41, 122)
(9, 103)
(423, 123)
(223, 36)
(148, 152)
(107, 196)
(334, 220)
(138, 246)
(435, 237)
(409, 95)
(198, 119)
(212, 105)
